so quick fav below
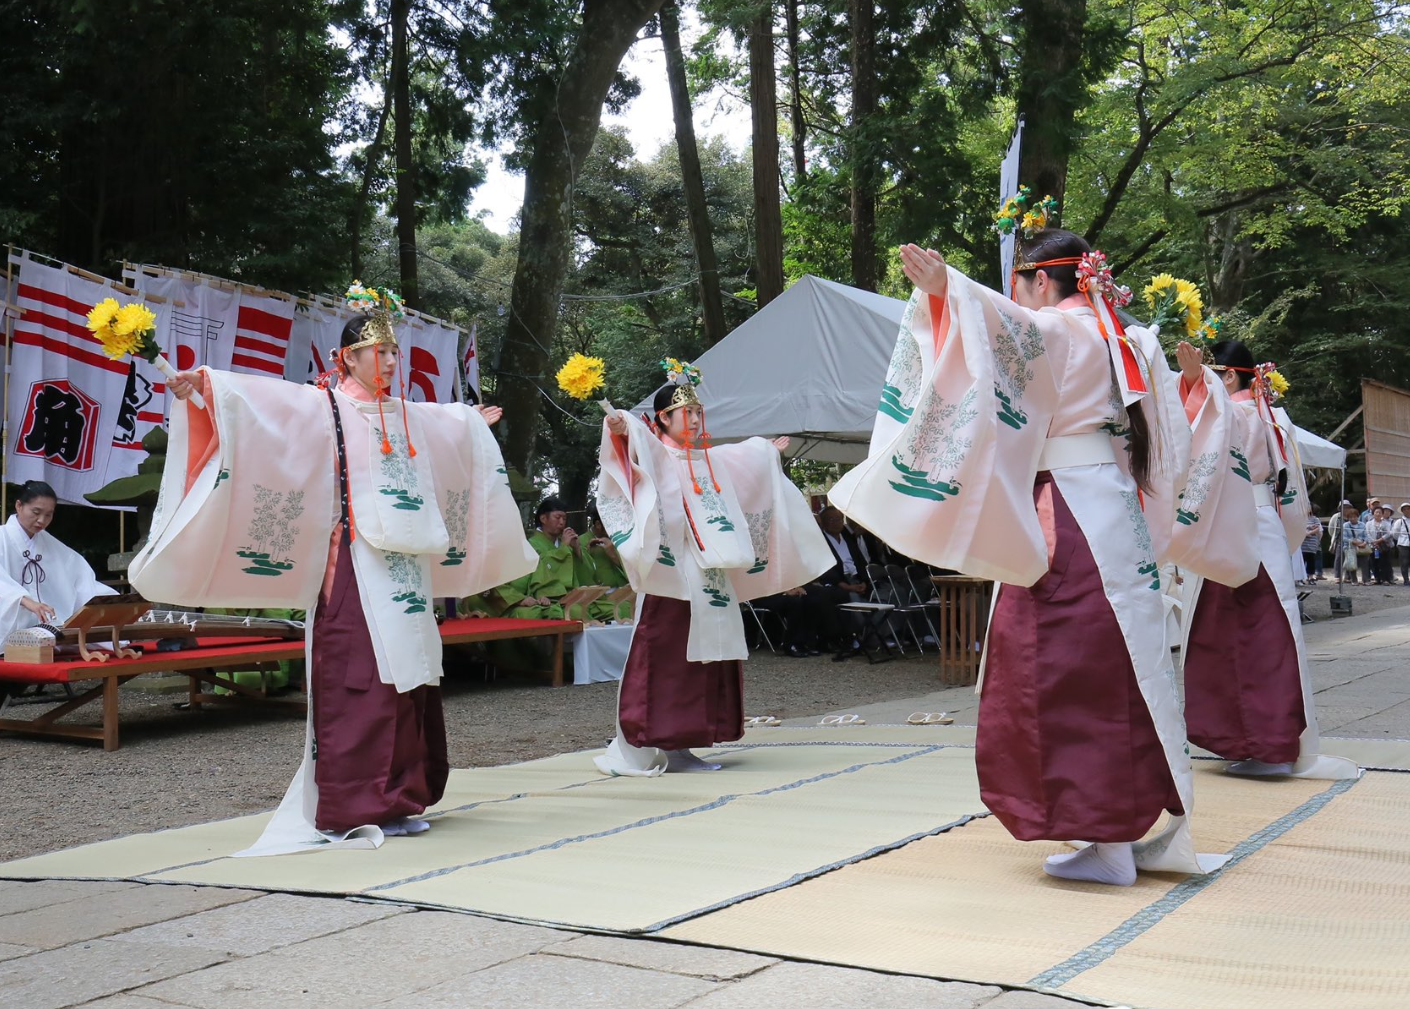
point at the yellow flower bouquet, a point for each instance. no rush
(1177, 302)
(581, 376)
(131, 329)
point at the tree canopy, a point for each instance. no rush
(1255, 147)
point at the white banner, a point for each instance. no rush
(1008, 186)
(317, 330)
(76, 419)
(470, 368)
(221, 325)
(428, 357)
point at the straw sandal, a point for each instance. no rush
(929, 718)
(843, 720)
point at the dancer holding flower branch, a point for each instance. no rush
(361, 508)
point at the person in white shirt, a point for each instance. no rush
(41, 580)
(1400, 538)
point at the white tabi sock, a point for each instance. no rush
(414, 825)
(684, 760)
(623, 759)
(1258, 769)
(1097, 863)
(394, 828)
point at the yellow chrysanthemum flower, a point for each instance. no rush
(1278, 383)
(119, 345)
(134, 319)
(102, 315)
(581, 376)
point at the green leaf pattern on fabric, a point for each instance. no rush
(1148, 567)
(760, 527)
(272, 531)
(1197, 489)
(405, 571)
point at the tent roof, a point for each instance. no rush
(809, 364)
(1318, 453)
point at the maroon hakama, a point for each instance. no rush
(1243, 686)
(377, 754)
(1066, 748)
(668, 702)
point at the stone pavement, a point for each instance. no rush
(133, 946)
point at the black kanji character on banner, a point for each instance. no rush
(137, 395)
(60, 425)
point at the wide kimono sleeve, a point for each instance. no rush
(789, 548)
(247, 503)
(1169, 458)
(963, 416)
(1293, 504)
(1215, 532)
(486, 534)
(629, 500)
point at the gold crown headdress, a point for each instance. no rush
(381, 308)
(685, 377)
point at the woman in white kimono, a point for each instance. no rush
(1248, 693)
(41, 580)
(699, 530)
(361, 508)
(1034, 444)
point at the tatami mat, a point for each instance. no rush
(553, 841)
(1311, 912)
(868, 846)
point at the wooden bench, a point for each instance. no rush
(212, 656)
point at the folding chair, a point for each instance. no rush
(915, 603)
(885, 592)
(755, 612)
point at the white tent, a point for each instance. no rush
(810, 365)
(1318, 453)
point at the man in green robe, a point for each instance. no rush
(606, 570)
(563, 566)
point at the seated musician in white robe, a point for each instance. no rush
(41, 580)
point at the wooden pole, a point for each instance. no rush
(5, 397)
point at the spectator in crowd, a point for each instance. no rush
(1378, 534)
(1401, 533)
(1312, 549)
(1372, 503)
(1351, 541)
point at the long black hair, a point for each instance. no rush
(1055, 243)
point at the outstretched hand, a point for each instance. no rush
(780, 443)
(490, 413)
(1191, 362)
(925, 268)
(617, 424)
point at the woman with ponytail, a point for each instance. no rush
(1248, 694)
(1031, 441)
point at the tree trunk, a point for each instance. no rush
(359, 212)
(864, 173)
(569, 115)
(712, 310)
(406, 166)
(795, 96)
(763, 101)
(1049, 91)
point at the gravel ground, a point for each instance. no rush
(177, 767)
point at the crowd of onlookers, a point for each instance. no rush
(1366, 547)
